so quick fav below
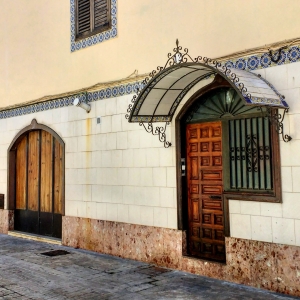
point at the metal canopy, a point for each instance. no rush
(165, 88)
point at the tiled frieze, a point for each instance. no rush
(110, 92)
(270, 266)
(263, 60)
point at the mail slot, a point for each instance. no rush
(1, 201)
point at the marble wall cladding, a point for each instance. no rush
(6, 220)
(270, 266)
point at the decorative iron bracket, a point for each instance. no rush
(159, 130)
(272, 54)
(277, 118)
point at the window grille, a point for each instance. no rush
(250, 154)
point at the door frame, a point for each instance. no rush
(11, 162)
(182, 201)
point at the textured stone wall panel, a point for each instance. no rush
(6, 220)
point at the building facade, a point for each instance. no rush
(190, 167)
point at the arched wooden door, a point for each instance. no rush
(39, 183)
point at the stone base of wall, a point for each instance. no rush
(6, 220)
(270, 266)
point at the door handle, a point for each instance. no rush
(215, 197)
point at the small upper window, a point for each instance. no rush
(92, 17)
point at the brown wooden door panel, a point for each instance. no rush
(33, 170)
(196, 212)
(210, 189)
(209, 204)
(46, 172)
(39, 183)
(21, 174)
(211, 175)
(205, 188)
(58, 178)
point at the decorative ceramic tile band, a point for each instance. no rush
(261, 61)
(112, 92)
(97, 38)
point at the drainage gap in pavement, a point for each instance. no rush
(55, 253)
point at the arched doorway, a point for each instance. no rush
(229, 150)
(36, 180)
(242, 145)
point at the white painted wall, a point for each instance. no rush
(114, 170)
(277, 222)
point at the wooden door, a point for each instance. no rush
(39, 184)
(205, 185)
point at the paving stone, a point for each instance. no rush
(27, 274)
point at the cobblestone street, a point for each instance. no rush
(25, 273)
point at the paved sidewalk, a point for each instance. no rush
(25, 273)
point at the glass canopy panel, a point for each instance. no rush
(188, 78)
(165, 104)
(172, 77)
(260, 90)
(150, 103)
(156, 98)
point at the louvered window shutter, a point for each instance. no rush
(101, 13)
(84, 17)
(92, 15)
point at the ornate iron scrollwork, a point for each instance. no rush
(279, 53)
(251, 153)
(130, 106)
(180, 56)
(159, 130)
(277, 118)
